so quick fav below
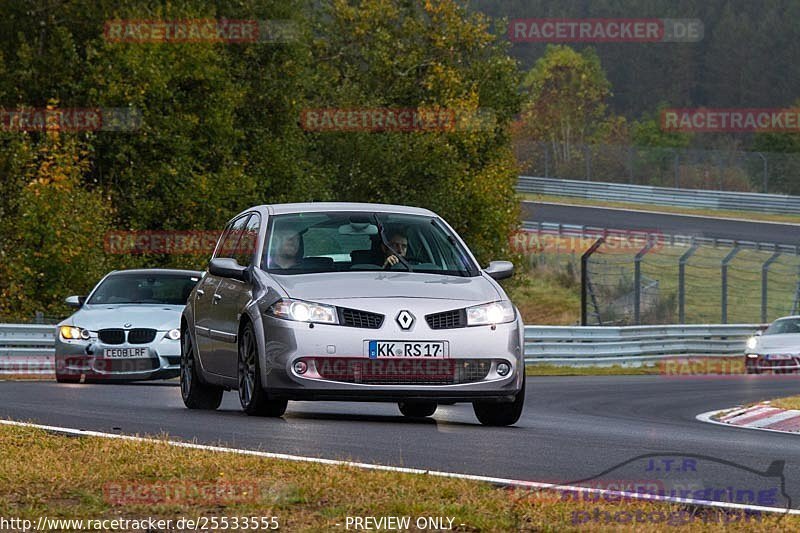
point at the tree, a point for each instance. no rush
(567, 93)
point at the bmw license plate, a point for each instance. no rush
(778, 357)
(406, 349)
(120, 353)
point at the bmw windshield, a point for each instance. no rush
(134, 288)
(301, 243)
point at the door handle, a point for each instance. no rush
(200, 292)
(217, 298)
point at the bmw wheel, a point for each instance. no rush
(500, 413)
(195, 394)
(252, 396)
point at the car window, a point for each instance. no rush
(230, 238)
(145, 288)
(246, 246)
(786, 325)
(352, 241)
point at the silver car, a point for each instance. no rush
(776, 348)
(346, 301)
(126, 329)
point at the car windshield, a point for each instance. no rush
(785, 325)
(162, 289)
(304, 243)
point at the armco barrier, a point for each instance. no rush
(575, 345)
(28, 348)
(621, 192)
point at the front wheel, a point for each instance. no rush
(417, 409)
(252, 396)
(195, 394)
(500, 413)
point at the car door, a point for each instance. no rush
(231, 298)
(213, 315)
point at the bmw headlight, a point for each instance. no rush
(301, 311)
(752, 342)
(73, 333)
(173, 334)
(491, 313)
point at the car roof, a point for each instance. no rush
(318, 207)
(787, 317)
(133, 271)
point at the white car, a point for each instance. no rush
(776, 348)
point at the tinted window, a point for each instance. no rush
(247, 243)
(786, 325)
(230, 238)
(161, 289)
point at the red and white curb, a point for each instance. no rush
(760, 416)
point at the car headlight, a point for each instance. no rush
(173, 334)
(752, 342)
(73, 333)
(301, 311)
(491, 313)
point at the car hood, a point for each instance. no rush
(344, 285)
(160, 317)
(790, 342)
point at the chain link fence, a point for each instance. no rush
(724, 170)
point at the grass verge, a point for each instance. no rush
(716, 213)
(93, 478)
(673, 367)
(790, 402)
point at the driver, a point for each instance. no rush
(286, 253)
(398, 240)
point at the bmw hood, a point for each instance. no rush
(788, 343)
(160, 317)
(336, 286)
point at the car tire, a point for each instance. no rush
(417, 409)
(500, 413)
(252, 396)
(195, 393)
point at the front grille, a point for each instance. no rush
(111, 336)
(360, 319)
(402, 371)
(133, 364)
(141, 336)
(447, 320)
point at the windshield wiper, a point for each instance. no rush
(387, 245)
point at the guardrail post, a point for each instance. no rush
(682, 281)
(765, 283)
(637, 281)
(585, 277)
(724, 265)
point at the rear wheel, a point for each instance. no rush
(500, 413)
(68, 378)
(195, 394)
(252, 396)
(417, 409)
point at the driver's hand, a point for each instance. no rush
(391, 261)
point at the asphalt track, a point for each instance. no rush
(573, 429)
(666, 223)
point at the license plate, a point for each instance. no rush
(119, 353)
(406, 349)
(778, 357)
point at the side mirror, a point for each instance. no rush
(500, 269)
(759, 332)
(75, 301)
(226, 267)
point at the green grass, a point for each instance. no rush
(44, 474)
(790, 402)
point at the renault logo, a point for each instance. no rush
(405, 319)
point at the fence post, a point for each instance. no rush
(766, 173)
(728, 258)
(765, 284)
(546, 161)
(682, 281)
(677, 170)
(637, 281)
(585, 277)
(588, 156)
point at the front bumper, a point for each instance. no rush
(774, 363)
(87, 358)
(339, 366)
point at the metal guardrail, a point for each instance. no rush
(594, 345)
(664, 239)
(28, 348)
(621, 192)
